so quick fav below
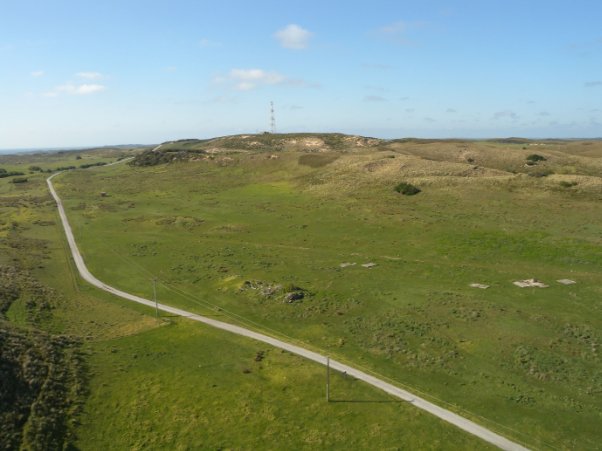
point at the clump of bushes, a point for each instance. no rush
(5, 173)
(89, 165)
(153, 158)
(407, 189)
(566, 184)
(541, 173)
(534, 158)
(19, 180)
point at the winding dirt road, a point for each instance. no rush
(444, 414)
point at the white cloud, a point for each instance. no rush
(37, 73)
(507, 114)
(376, 99)
(208, 43)
(395, 28)
(247, 79)
(81, 89)
(89, 75)
(397, 32)
(593, 84)
(377, 66)
(293, 37)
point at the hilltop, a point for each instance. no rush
(454, 156)
(190, 149)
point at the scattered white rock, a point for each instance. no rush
(369, 265)
(530, 283)
(344, 265)
(479, 285)
(566, 281)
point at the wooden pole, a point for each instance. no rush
(155, 297)
(327, 379)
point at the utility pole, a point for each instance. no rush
(327, 379)
(155, 297)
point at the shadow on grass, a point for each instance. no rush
(215, 315)
(371, 401)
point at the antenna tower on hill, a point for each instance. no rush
(272, 118)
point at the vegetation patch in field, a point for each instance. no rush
(407, 189)
(317, 160)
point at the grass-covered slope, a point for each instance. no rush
(235, 234)
(83, 370)
(195, 150)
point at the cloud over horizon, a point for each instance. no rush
(75, 89)
(293, 37)
(506, 114)
(249, 79)
(397, 32)
(89, 75)
(593, 84)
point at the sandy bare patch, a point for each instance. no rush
(530, 283)
(479, 285)
(566, 281)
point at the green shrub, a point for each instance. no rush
(407, 189)
(566, 184)
(535, 158)
(4, 173)
(541, 173)
(19, 180)
(90, 165)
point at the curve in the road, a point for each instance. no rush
(444, 414)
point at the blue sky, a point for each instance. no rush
(76, 73)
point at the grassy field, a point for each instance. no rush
(233, 233)
(165, 383)
(184, 386)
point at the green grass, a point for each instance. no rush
(169, 383)
(524, 362)
(186, 386)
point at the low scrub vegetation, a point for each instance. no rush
(566, 184)
(534, 158)
(317, 160)
(407, 189)
(539, 173)
(154, 158)
(4, 173)
(90, 165)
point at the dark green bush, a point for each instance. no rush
(90, 165)
(566, 184)
(541, 173)
(535, 158)
(4, 173)
(19, 180)
(407, 189)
